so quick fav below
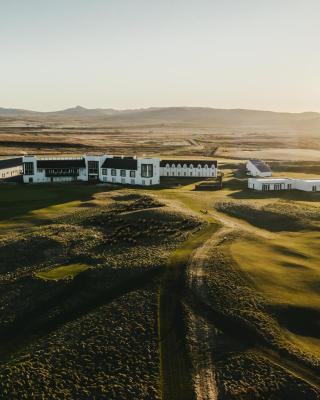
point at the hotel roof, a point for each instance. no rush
(121, 163)
(10, 162)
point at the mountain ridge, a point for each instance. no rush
(219, 118)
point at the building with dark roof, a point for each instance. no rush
(105, 168)
(113, 169)
(257, 167)
(54, 169)
(131, 170)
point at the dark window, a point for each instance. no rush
(132, 174)
(61, 172)
(93, 167)
(122, 172)
(28, 168)
(104, 171)
(113, 172)
(314, 188)
(146, 170)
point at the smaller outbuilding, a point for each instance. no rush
(267, 184)
(258, 168)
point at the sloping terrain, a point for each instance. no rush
(92, 334)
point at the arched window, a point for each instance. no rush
(199, 166)
(184, 165)
(179, 166)
(191, 165)
(206, 166)
(173, 165)
(167, 165)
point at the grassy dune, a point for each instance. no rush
(286, 270)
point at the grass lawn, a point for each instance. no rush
(285, 268)
(25, 205)
(62, 272)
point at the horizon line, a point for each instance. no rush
(155, 108)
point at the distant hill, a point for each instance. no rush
(190, 116)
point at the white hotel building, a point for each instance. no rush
(112, 169)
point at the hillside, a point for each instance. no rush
(308, 122)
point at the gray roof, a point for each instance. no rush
(10, 162)
(195, 163)
(121, 163)
(260, 165)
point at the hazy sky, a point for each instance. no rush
(262, 54)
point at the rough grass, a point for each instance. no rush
(127, 239)
(251, 376)
(62, 272)
(111, 353)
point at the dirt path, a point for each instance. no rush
(200, 334)
(204, 379)
(175, 364)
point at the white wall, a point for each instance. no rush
(138, 179)
(39, 175)
(184, 171)
(307, 185)
(286, 184)
(7, 173)
(254, 171)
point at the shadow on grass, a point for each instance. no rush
(303, 321)
(18, 200)
(296, 195)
